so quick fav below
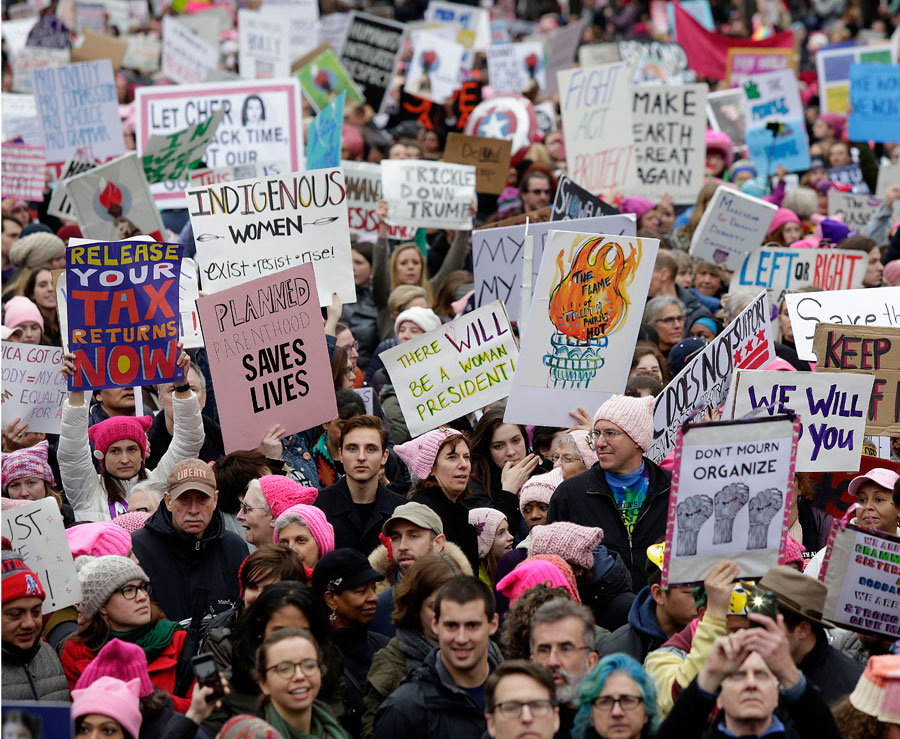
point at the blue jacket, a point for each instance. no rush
(642, 633)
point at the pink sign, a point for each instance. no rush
(746, 62)
(268, 356)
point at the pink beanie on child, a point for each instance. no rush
(19, 310)
(419, 454)
(108, 696)
(633, 415)
(782, 216)
(314, 519)
(574, 543)
(28, 462)
(282, 492)
(533, 572)
(486, 522)
(98, 538)
(106, 433)
(540, 488)
(123, 661)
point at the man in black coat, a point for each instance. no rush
(625, 493)
(191, 560)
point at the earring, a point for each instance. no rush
(332, 616)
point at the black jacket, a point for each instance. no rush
(832, 672)
(349, 528)
(641, 635)
(160, 438)
(182, 567)
(428, 704)
(504, 501)
(455, 517)
(587, 499)
(358, 646)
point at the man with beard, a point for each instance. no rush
(563, 640)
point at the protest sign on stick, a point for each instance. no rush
(23, 172)
(771, 99)
(266, 344)
(370, 54)
(732, 485)
(732, 225)
(37, 533)
(573, 201)
(322, 77)
(323, 142)
(832, 411)
(428, 194)
(586, 309)
(490, 157)
(363, 181)
(169, 156)
(34, 388)
(462, 366)
(252, 228)
(186, 56)
(874, 102)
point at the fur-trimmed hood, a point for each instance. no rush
(379, 561)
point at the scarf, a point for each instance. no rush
(414, 645)
(152, 638)
(17, 656)
(321, 726)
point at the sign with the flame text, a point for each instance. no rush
(585, 314)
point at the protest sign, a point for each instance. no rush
(648, 58)
(856, 209)
(595, 55)
(188, 293)
(186, 56)
(839, 348)
(472, 25)
(79, 110)
(34, 388)
(849, 174)
(370, 54)
(251, 171)
(704, 382)
(732, 485)
(860, 572)
(363, 182)
(435, 70)
(462, 366)
(90, 17)
(669, 128)
(36, 532)
(699, 10)
(782, 269)
(888, 177)
(333, 30)
(498, 260)
(732, 225)
(428, 194)
(99, 46)
(833, 69)
(113, 201)
(874, 102)
(323, 142)
(748, 62)
(585, 313)
(18, 110)
(516, 67)
(253, 228)
(261, 124)
(595, 107)
(209, 23)
(773, 98)
(263, 44)
(122, 307)
(572, 201)
(60, 205)
(143, 53)
(266, 344)
(725, 111)
(50, 33)
(23, 172)
(560, 53)
(322, 77)
(878, 306)
(832, 411)
(490, 157)
(35, 57)
(169, 156)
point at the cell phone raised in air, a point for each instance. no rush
(207, 674)
(764, 602)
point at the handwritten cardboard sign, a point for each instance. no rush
(266, 343)
(573, 201)
(100, 46)
(169, 156)
(490, 157)
(34, 388)
(123, 314)
(363, 181)
(370, 54)
(732, 225)
(855, 209)
(428, 194)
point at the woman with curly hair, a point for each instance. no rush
(515, 635)
(616, 699)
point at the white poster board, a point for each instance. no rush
(60, 206)
(186, 57)
(34, 388)
(427, 194)
(435, 70)
(855, 209)
(515, 67)
(263, 46)
(363, 193)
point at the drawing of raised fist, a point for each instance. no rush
(764, 506)
(728, 502)
(691, 513)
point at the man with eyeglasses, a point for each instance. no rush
(626, 494)
(520, 702)
(662, 283)
(535, 191)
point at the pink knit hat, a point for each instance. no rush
(106, 433)
(877, 692)
(782, 216)
(540, 488)
(282, 492)
(585, 448)
(836, 121)
(123, 661)
(892, 272)
(633, 415)
(132, 521)
(20, 309)
(720, 142)
(486, 522)
(533, 572)
(108, 696)
(572, 542)
(98, 538)
(419, 454)
(637, 205)
(793, 551)
(28, 462)
(314, 519)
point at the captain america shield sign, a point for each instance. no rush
(509, 117)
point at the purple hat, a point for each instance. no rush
(28, 462)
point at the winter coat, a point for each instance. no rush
(832, 672)
(34, 674)
(83, 485)
(182, 567)
(502, 500)
(609, 597)
(587, 499)
(816, 525)
(394, 415)
(362, 318)
(168, 723)
(358, 647)
(428, 705)
(160, 439)
(455, 517)
(641, 635)
(219, 637)
(349, 529)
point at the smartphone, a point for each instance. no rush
(207, 673)
(764, 602)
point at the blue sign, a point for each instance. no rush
(789, 147)
(323, 146)
(874, 102)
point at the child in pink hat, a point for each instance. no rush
(494, 540)
(785, 228)
(534, 572)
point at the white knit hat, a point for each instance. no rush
(486, 522)
(425, 318)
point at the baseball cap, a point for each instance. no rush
(879, 475)
(343, 569)
(191, 474)
(417, 513)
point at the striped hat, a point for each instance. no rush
(18, 580)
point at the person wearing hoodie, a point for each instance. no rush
(656, 614)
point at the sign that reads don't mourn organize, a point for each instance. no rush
(732, 225)
(34, 388)
(123, 313)
(428, 194)
(462, 366)
(252, 228)
(267, 351)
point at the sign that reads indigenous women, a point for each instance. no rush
(363, 181)
(123, 314)
(33, 386)
(462, 366)
(251, 228)
(732, 225)
(428, 194)
(832, 410)
(267, 351)
(704, 382)
(731, 497)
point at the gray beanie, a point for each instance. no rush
(100, 577)
(36, 249)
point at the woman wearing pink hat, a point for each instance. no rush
(785, 228)
(27, 476)
(108, 708)
(24, 320)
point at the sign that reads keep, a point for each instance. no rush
(490, 157)
(456, 369)
(428, 194)
(34, 388)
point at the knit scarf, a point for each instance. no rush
(322, 725)
(413, 644)
(152, 638)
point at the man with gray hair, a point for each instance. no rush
(563, 639)
(146, 496)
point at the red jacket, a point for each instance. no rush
(76, 656)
